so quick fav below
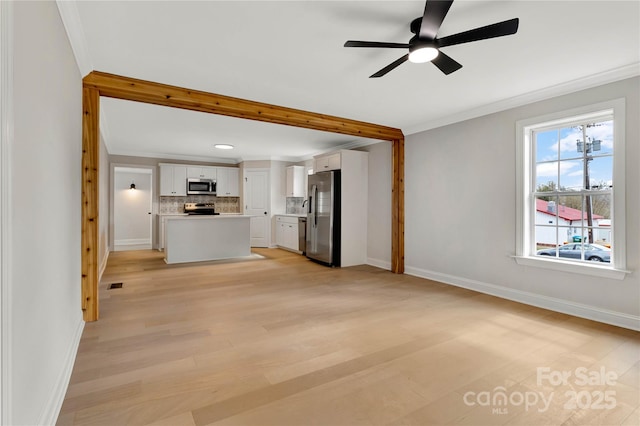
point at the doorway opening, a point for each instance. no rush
(132, 208)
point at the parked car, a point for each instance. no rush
(592, 252)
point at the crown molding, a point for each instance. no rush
(77, 38)
(610, 76)
(75, 32)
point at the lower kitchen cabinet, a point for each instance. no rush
(287, 232)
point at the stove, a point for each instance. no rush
(200, 208)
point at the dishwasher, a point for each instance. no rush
(302, 234)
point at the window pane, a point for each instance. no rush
(568, 142)
(601, 136)
(571, 175)
(596, 253)
(546, 240)
(569, 234)
(600, 172)
(547, 177)
(546, 211)
(570, 210)
(601, 208)
(546, 145)
(602, 236)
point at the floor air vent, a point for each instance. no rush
(114, 285)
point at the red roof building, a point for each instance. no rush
(567, 213)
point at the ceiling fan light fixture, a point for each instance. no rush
(423, 54)
(223, 146)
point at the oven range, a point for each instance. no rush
(200, 208)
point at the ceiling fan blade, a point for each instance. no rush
(490, 31)
(391, 66)
(446, 64)
(355, 43)
(434, 13)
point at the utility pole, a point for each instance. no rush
(586, 148)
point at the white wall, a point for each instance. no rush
(104, 207)
(460, 182)
(379, 205)
(278, 188)
(131, 218)
(46, 319)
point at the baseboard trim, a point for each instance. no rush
(378, 263)
(132, 242)
(619, 319)
(51, 410)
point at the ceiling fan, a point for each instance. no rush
(425, 46)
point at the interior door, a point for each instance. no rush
(256, 205)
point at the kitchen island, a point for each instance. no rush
(198, 238)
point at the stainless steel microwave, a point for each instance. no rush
(201, 186)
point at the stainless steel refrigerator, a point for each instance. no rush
(323, 218)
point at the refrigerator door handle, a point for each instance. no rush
(315, 206)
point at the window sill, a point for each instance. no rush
(594, 270)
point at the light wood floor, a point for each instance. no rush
(279, 340)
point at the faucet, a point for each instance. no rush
(304, 202)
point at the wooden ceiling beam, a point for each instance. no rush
(115, 86)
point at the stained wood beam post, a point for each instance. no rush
(90, 162)
(97, 84)
(397, 207)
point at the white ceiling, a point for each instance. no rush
(291, 53)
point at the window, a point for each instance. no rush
(571, 190)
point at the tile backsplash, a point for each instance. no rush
(294, 205)
(170, 205)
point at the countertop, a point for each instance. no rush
(208, 216)
(292, 215)
(185, 214)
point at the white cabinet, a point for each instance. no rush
(327, 162)
(173, 180)
(201, 172)
(228, 182)
(295, 181)
(287, 232)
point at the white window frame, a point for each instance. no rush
(525, 165)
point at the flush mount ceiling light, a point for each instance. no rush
(423, 54)
(223, 146)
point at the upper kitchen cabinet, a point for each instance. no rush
(201, 172)
(322, 163)
(228, 182)
(295, 181)
(173, 180)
